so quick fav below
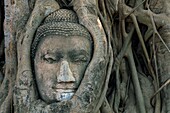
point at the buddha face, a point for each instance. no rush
(60, 63)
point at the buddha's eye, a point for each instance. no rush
(49, 59)
(81, 58)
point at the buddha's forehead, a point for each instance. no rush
(55, 43)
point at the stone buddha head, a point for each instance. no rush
(61, 51)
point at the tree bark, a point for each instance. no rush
(129, 71)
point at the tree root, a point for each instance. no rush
(137, 88)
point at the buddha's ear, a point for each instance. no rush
(90, 94)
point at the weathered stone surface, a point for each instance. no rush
(106, 56)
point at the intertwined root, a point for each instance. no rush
(116, 26)
(163, 61)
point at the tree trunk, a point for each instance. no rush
(129, 70)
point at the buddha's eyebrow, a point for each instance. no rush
(78, 52)
(52, 53)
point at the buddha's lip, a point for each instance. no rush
(65, 88)
(68, 90)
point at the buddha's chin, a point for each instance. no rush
(63, 95)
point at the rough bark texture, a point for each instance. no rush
(129, 71)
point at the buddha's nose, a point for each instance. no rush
(65, 74)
